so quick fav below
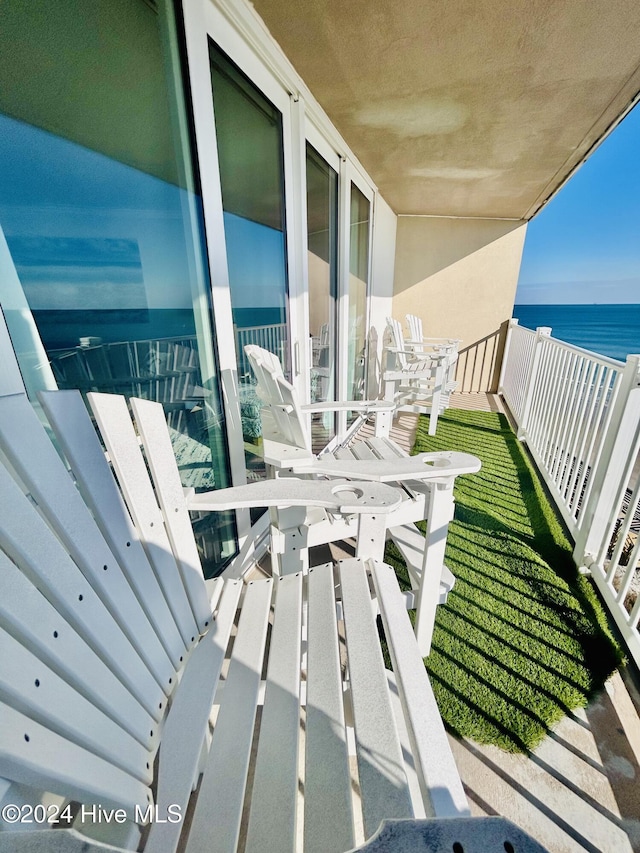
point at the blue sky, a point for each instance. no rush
(584, 246)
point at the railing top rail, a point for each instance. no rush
(594, 356)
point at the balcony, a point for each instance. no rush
(514, 662)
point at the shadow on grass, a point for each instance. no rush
(522, 639)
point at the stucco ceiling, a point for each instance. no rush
(465, 107)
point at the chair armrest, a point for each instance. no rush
(347, 498)
(350, 405)
(436, 356)
(424, 466)
(436, 341)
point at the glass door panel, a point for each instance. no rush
(358, 287)
(104, 260)
(322, 241)
(251, 162)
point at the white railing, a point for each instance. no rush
(579, 413)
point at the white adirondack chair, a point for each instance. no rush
(425, 482)
(112, 647)
(422, 345)
(413, 383)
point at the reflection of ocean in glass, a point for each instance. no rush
(249, 141)
(612, 330)
(258, 306)
(104, 256)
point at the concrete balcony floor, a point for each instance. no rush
(580, 789)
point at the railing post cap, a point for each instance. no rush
(544, 330)
(633, 364)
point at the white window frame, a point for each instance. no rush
(237, 29)
(349, 175)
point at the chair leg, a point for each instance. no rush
(290, 549)
(435, 399)
(371, 537)
(440, 514)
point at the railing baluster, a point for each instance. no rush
(579, 414)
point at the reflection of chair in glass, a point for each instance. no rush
(165, 370)
(113, 647)
(322, 366)
(415, 382)
(425, 481)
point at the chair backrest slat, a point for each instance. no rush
(44, 760)
(30, 617)
(29, 542)
(46, 478)
(76, 435)
(152, 427)
(394, 329)
(414, 327)
(122, 445)
(29, 685)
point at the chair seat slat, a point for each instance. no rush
(186, 726)
(327, 777)
(341, 453)
(69, 418)
(361, 450)
(384, 448)
(383, 783)
(225, 776)
(272, 822)
(26, 614)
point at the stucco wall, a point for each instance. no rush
(460, 276)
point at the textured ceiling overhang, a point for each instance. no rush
(465, 107)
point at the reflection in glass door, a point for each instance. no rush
(103, 272)
(358, 285)
(322, 224)
(251, 163)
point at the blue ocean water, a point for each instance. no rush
(612, 330)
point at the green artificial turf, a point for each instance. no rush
(522, 639)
